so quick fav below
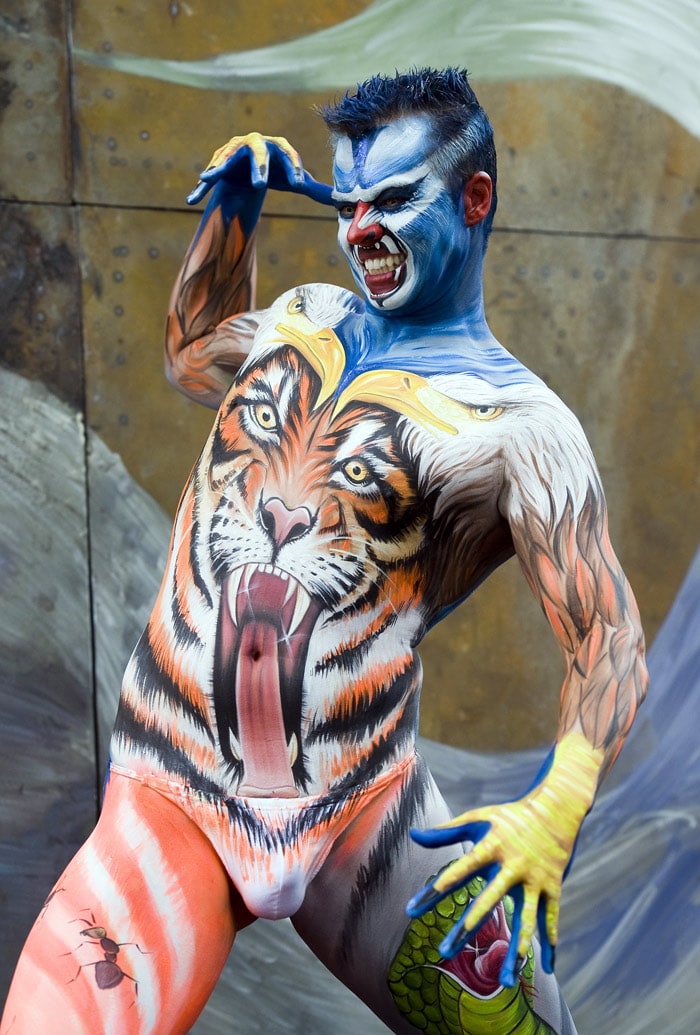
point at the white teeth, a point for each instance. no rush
(300, 609)
(293, 748)
(235, 747)
(387, 264)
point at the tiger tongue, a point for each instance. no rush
(261, 734)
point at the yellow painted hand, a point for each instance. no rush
(257, 148)
(523, 848)
(258, 162)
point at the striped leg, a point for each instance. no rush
(134, 935)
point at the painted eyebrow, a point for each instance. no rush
(404, 193)
(411, 180)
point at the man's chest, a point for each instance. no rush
(363, 482)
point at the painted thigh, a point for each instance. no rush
(134, 935)
(354, 920)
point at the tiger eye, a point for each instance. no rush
(265, 416)
(356, 471)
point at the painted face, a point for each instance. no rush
(401, 229)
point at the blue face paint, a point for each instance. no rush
(401, 228)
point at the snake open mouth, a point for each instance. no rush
(265, 621)
(477, 966)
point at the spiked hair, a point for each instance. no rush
(464, 137)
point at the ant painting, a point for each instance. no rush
(108, 973)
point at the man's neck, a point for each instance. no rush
(456, 321)
(465, 331)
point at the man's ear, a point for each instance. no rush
(477, 194)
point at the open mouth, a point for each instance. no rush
(265, 621)
(478, 966)
(383, 266)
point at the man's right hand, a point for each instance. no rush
(256, 162)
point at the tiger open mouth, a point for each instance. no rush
(265, 620)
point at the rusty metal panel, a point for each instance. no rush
(130, 260)
(575, 155)
(584, 157)
(40, 276)
(142, 142)
(35, 157)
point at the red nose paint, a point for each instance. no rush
(363, 234)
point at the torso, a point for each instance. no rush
(338, 510)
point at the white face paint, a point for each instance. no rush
(398, 224)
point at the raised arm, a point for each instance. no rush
(554, 504)
(211, 321)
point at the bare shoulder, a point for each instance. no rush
(524, 428)
(548, 462)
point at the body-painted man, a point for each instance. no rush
(374, 459)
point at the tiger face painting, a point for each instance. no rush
(319, 563)
(288, 615)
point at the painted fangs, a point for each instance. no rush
(293, 749)
(239, 583)
(380, 257)
(301, 605)
(232, 593)
(300, 609)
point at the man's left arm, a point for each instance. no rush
(555, 506)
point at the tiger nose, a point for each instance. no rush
(282, 524)
(366, 235)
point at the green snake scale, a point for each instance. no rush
(436, 1001)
